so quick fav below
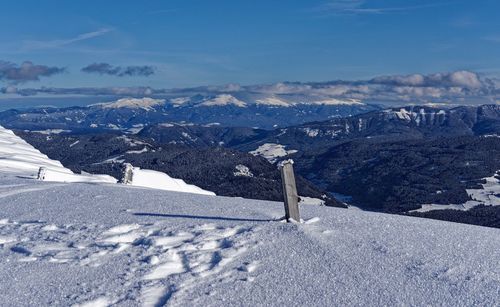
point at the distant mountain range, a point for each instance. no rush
(131, 114)
(389, 124)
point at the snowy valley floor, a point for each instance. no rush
(64, 244)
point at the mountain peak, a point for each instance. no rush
(145, 103)
(223, 100)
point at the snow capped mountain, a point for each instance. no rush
(145, 103)
(229, 109)
(273, 101)
(335, 101)
(180, 100)
(242, 100)
(223, 100)
(287, 101)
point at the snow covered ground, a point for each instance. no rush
(64, 244)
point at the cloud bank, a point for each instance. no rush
(458, 87)
(25, 72)
(119, 71)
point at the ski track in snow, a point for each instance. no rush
(168, 260)
(5, 191)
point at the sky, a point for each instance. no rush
(168, 44)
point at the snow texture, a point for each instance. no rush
(100, 245)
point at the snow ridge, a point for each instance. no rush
(145, 103)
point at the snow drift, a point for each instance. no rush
(158, 180)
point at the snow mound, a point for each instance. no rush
(20, 158)
(272, 152)
(132, 103)
(158, 180)
(223, 100)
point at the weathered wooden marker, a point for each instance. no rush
(128, 174)
(41, 173)
(290, 191)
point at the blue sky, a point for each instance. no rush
(190, 43)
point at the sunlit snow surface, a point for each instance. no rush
(158, 180)
(65, 244)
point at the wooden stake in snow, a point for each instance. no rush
(289, 191)
(127, 173)
(41, 173)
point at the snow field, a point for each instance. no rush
(69, 244)
(155, 252)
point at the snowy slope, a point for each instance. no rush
(20, 158)
(113, 244)
(132, 103)
(223, 100)
(17, 156)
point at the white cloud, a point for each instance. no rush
(465, 78)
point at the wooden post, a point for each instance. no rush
(127, 173)
(41, 173)
(290, 191)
